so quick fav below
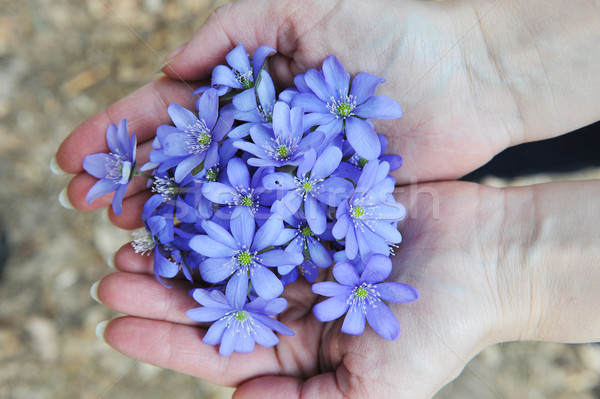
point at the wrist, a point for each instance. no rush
(545, 55)
(550, 273)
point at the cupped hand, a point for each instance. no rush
(457, 114)
(449, 253)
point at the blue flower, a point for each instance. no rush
(285, 143)
(335, 105)
(237, 328)
(242, 255)
(367, 220)
(240, 75)
(361, 298)
(313, 187)
(193, 140)
(116, 169)
(241, 191)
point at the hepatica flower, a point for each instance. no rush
(336, 105)
(253, 189)
(361, 298)
(115, 169)
(243, 255)
(238, 327)
(194, 140)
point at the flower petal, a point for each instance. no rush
(362, 138)
(331, 308)
(354, 322)
(266, 284)
(397, 292)
(318, 253)
(363, 86)
(238, 59)
(208, 107)
(378, 269)
(267, 234)
(335, 75)
(278, 257)
(258, 59)
(315, 215)
(379, 107)
(215, 332)
(345, 273)
(95, 164)
(100, 188)
(238, 174)
(330, 288)
(383, 321)
(204, 314)
(242, 226)
(214, 270)
(207, 246)
(317, 83)
(224, 76)
(326, 163)
(219, 234)
(237, 290)
(181, 117)
(245, 101)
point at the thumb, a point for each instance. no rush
(249, 22)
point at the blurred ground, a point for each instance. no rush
(61, 62)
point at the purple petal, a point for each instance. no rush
(340, 228)
(206, 314)
(271, 307)
(118, 199)
(362, 138)
(330, 288)
(181, 117)
(219, 234)
(279, 181)
(379, 107)
(273, 324)
(237, 290)
(311, 104)
(244, 343)
(112, 139)
(95, 164)
(100, 188)
(351, 244)
(244, 129)
(378, 269)
(315, 215)
(326, 163)
(335, 75)
(307, 164)
(281, 119)
(363, 86)
(266, 284)
(318, 253)
(250, 148)
(354, 322)
(285, 236)
(187, 165)
(214, 270)
(334, 190)
(210, 298)
(207, 246)
(221, 75)
(238, 174)
(266, 90)
(238, 59)
(397, 292)
(345, 274)
(215, 332)
(212, 156)
(228, 341)
(395, 161)
(390, 212)
(245, 101)
(222, 126)
(264, 336)
(242, 226)
(386, 230)
(383, 321)
(267, 234)
(258, 59)
(317, 83)
(331, 308)
(278, 257)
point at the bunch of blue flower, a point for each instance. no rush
(254, 189)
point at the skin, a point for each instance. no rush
(492, 265)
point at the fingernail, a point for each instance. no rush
(110, 261)
(55, 168)
(105, 215)
(94, 292)
(63, 199)
(100, 329)
(173, 54)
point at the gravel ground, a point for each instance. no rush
(61, 62)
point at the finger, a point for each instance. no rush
(127, 260)
(253, 23)
(81, 184)
(180, 347)
(145, 109)
(131, 216)
(326, 385)
(142, 295)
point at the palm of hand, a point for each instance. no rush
(449, 324)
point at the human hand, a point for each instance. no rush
(449, 253)
(416, 46)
